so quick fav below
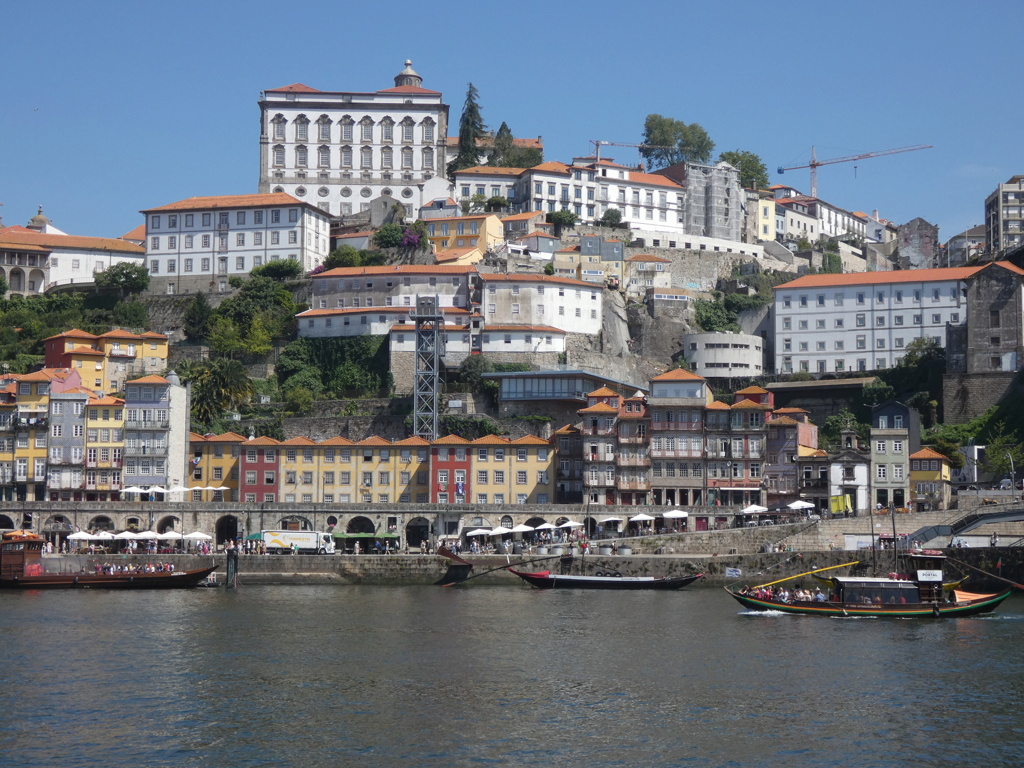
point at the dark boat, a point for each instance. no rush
(918, 595)
(21, 567)
(548, 580)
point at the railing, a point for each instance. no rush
(150, 424)
(678, 426)
(633, 461)
(148, 450)
(609, 431)
(111, 464)
(599, 457)
(120, 353)
(633, 485)
(676, 453)
(65, 461)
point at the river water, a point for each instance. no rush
(496, 676)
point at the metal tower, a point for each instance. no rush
(429, 353)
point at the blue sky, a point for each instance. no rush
(112, 107)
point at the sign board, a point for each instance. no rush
(929, 576)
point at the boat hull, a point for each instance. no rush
(983, 604)
(547, 580)
(162, 580)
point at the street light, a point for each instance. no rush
(1013, 474)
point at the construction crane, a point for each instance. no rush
(599, 144)
(813, 165)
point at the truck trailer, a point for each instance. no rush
(309, 542)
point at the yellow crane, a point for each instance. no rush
(815, 162)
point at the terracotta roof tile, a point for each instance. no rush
(229, 201)
(677, 374)
(337, 440)
(262, 441)
(491, 440)
(878, 278)
(49, 242)
(398, 269)
(753, 390)
(928, 453)
(599, 408)
(149, 380)
(450, 440)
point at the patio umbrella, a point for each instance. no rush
(146, 535)
(479, 532)
(521, 528)
(167, 535)
(570, 524)
(801, 504)
(156, 489)
(133, 489)
(641, 518)
(104, 536)
(545, 527)
(499, 531)
(125, 535)
(178, 489)
(753, 509)
(675, 513)
(198, 536)
(611, 520)
(81, 536)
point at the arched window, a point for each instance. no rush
(387, 130)
(277, 126)
(346, 157)
(407, 126)
(324, 125)
(406, 157)
(366, 158)
(346, 128)
(301, 157)
(366, 129)
(301, 128)
(428, 158)
(428, 130)
(279, 155)
(387, 158)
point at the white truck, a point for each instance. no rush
(309, 542)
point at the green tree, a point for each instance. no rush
(1003, 453)
(133, 314)
(224, 338)
(124, 277)
(830, 431)
(299, 400)
(4, 286)
(281, 269)
(951, 451)
(344, 256)
(562, 220)
(668, 141)
(712, 316)
(495, 204)
(831, 264)
(260, 296)
(472, 369)
(258, 340)
(471, 130)
(218, 386)
(197, 317)
(503, 148)
(611, 218)
(309, 379)
(388, 236)
(753, 173)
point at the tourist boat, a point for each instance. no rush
(548, 580)
(21, 567)
(947, 586)
(916, 595)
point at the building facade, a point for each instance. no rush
(1004, 217)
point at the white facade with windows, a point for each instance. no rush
(864, 322)
(724, 354)
(571, 305)
(198, 243)
(341, 149)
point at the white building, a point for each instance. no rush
(571, 305)
(864, 321)
(394, 286)
(724, 355)
(341, 149)
(646, 271)
(197, 244)
(374, 321)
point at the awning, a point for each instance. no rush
(341, 535)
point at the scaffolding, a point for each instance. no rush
(714, 201)
(429, 355)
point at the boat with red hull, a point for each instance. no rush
(21, 568)
(549, 580)
(919, 594)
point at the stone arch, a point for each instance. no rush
(228, 528)
(417, 530)
(16, 280)
(133, 524)
(295, 523)
(6, 522)
(533, 522)
(360, 524)
(169, 523)
(506, 521)
(101, 523)
(36, 281)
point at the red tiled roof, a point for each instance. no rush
(530, 440)
(375, 441)
(149, 380)
(374, 310)
(413, 441)
(337, 440)
(677, 374)
(229, 201)
(603, 392)
(753, 390)
(299, 441)
(398, 269)
(451, 440)
(491, 170)
(647, 257)
(74, 333)
(877, 278)
(410, 89)
(49, 242)
(294, 88)
(718, 405)
(139, 233)
(226, 437)
(502, 278)
(599, 408)
(491, 440)
(928, 453)
(263, 440)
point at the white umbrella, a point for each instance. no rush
(104, 536)
(545, 527)
(156, 489)
(81, 536)
(521, 528)
(125, 535)
(479, 532)
(675, 513)
(178, 489)
(198, 536)
(146, 535)
(641, 518)
(133, 489)
(753, 509)
(499, 531)
(167, 535)
(801, 505)
(611, 520)
(570, 524)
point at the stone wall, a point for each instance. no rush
(965, 396)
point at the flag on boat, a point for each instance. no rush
(733, 573)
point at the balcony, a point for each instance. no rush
(120, 353)
(597, 457)
(25, 421)
(7, 426)
(590, 430)
(678, 426)
(152, 424)
(633, 485)
(632, 439)
(65, 461)
(813, 484)
(633, 461)
(112, 464)
(146, 450)
(601, 481)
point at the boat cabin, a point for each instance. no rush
(874, 591)
(21, 554)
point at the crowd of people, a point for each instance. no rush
(783, 595)
(133, 568)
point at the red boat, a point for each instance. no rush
(21, 567)
(548, 580)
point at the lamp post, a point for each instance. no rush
(1013, 474)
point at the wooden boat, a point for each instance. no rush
(947, 586)
(548, 580)
(21, 568)
(920, 595)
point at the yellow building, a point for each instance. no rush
(337, 480)
(516, 471)
(412, 470)
(482, 230)
(104, 447)
(106, 361)
(213, 464)
(32, 408)
(929, 480)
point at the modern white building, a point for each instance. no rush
(864, 321)
(571, 305)
(724, 355)
(372, 321)
(197, 244)
(341, 149)
(394, 286)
